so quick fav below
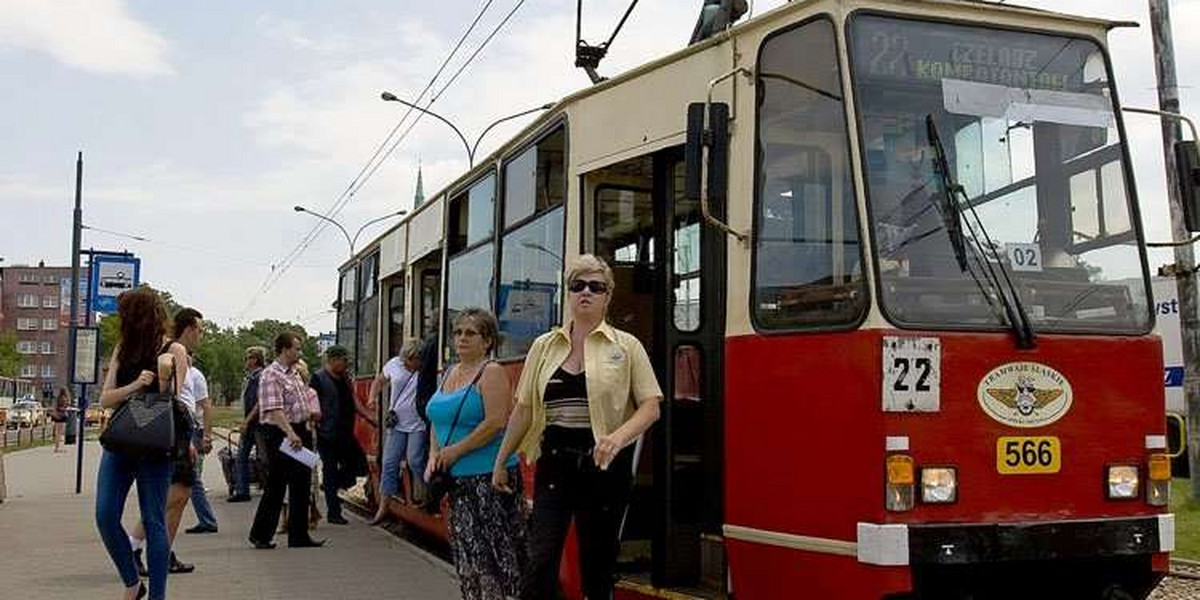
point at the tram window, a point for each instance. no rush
(625, 224)
(530, 283)
(368, 316)
(535, 179)
(686, 266)
(395, 319)
(469, 283)
(472, 214)
(808, 267)
(348, 310)
(431, 289)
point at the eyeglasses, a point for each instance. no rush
(465, 333)
(597, 287)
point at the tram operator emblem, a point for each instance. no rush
(1025, 394)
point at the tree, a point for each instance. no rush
(11, 361)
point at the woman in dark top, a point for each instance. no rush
(144, 359)
(62, 412)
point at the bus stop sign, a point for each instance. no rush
(111, 275)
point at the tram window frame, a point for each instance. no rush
(459, 246)
(535, 212)
(803, 322)
(366, 351)
(396, 314)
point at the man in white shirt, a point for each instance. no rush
(195, 396)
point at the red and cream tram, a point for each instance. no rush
(886, 256)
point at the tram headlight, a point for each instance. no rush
(1122, 482)
(939, 485)
(1158, 484)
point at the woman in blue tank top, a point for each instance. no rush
(468, 415)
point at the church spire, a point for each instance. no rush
(419, 197)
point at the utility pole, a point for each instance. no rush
(1185, 261)
(76, 238)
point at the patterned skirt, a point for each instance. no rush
(488, 536)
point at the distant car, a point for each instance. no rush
(26, 413)
(95, 415)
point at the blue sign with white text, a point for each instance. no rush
(112, 274)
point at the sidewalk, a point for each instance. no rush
(51, 550)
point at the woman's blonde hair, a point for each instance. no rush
(586, 264)
(411, 350)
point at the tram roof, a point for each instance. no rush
(771, 17)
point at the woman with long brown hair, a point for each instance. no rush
(144, 360)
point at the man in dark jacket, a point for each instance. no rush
(256, 360)
(342, 459)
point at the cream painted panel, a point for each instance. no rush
(392, 251)
(426, 230)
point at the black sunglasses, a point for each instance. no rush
(597, 287)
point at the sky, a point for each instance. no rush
(203, 124)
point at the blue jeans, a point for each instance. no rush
(204, 511)
(241, 486)
(415, 446)
(153, 476)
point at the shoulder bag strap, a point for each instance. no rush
(463, 400)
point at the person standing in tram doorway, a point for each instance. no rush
(467, 416)
(586, 394)
(407, 435)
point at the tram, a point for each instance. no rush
(886, 256)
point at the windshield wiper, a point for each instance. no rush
(953, 219)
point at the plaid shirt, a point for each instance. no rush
(279, 388)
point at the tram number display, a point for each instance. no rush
(911, 374)
(1028, 455)
(1024, 257)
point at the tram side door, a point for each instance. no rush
(669, 272)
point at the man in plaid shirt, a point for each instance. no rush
(284, 415)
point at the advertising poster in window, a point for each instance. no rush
(526, 310)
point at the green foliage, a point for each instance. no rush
(10, 360)
(1187, 520)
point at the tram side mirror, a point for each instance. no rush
(1187, 165)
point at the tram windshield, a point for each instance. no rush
(1034, 186)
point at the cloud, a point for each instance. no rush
(98, 36)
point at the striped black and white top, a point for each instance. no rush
(566, 401)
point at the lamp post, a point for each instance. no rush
(390, 97)
(349, 240)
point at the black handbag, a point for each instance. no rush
(441, 482)
(144, 425)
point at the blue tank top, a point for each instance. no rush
(441, 409)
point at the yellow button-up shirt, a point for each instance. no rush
(617, 371)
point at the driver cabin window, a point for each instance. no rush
(808, 266)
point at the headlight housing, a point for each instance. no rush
(939, 485)
(1123, 483)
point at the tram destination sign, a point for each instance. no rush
(896, 49)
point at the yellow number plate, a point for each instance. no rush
(1028, 455)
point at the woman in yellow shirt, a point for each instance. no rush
(586, 394)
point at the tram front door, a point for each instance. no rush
(669, 293)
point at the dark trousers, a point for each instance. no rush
(242, 472)
(333, 474)
(285, 475)
(568, 485)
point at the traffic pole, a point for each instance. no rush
(1185, 261)
(76, 239)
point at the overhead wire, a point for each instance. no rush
(372, 164)
(186, 248)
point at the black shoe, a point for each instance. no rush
(141, 590)
(307, 544)
(337, 520)
(238, 498)
(201, 528)
(141, 564)
(179, 567)
(260, 545)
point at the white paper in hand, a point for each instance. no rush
(305, 456)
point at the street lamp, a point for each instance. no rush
(390, 97)
(349, 240)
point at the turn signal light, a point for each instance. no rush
(900, 483)
(1158, 488)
